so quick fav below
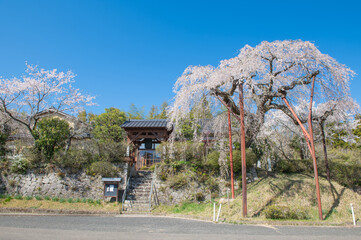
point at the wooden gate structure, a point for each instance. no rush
(144, 136)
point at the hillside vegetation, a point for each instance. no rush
(283, 192)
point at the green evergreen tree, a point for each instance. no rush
(135, 113)
(50, 136)
(163, 111)
(107, 126)
(153, 113)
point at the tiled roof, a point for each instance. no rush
(154, 123)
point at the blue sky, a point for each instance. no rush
(132, 51)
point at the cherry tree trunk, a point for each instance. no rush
(325, 152)
(243, 150)
(230, 151)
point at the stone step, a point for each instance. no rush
(137, 199)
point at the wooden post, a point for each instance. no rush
(310, 144)
(230, 151)
(243, 150)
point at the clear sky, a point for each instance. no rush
(133, 51)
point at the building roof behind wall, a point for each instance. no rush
(154, 123)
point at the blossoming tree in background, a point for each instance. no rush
(273, 75)
(22, 99)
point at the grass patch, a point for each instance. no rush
(59, 204)
(19, 197)
(295, 192)
(39, 198)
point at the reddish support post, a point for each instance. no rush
(230, 150)
(243, 150)
(310, 144)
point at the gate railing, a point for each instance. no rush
(125, 193)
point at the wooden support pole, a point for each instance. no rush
(310, 144)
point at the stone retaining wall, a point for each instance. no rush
(52, 185)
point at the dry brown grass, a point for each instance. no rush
(296, 191)
(52, 205)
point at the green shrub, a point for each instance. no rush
(251, 159)
(55, 199)
(89, 200)
(19, 164)
(8, 198)
(77, 200)
(34, 157)
(28, 197)
(47, 198)
(74, 160)
(2, 196)
(50, 136)
(294, 166)
(38, 198)
(104, 169)
(83, 200)
(284, 212)
(177, 181)
(18, 197)
(212, 160)
(62, 200)
(98, 202)
(70, 200)
(345, 166)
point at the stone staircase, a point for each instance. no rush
(137, 198)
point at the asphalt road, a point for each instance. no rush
(148, 227)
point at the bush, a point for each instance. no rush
(345, 167)
(178, 181)
(47, 198)
(111, 151)
(62, 200)
(284, 212)
(70, 200)
(19, 164)
(50, 136)
(55, 199)
(74, 160)
(251, 159)
(294, 166)
(104, 169)
(212, 161)
(38, 198)
(28, 197)
(18, 197)
(34, 157)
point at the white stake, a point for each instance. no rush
(219, 211)
(353, 215)
(214, 212)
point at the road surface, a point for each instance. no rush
(149, 227)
